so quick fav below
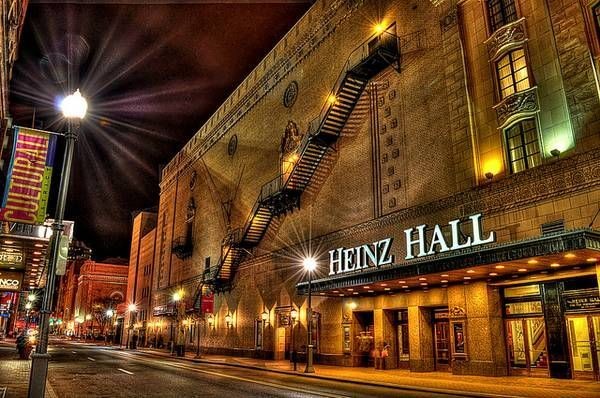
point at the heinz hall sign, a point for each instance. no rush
(417, 243)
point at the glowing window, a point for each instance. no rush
(523, 146)
(500, 13)
(512, 73)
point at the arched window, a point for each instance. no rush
(500, 13)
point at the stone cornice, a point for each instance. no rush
(248, 94)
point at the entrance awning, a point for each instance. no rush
(544, 254)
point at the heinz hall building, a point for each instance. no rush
(439, 160)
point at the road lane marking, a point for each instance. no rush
(264, 383)
(91, 359)
(124, 371)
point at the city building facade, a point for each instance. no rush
(86, 292)
(439, 160)
(139, 280)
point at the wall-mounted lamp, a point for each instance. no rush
(228, 320)
(489, 175)
(211, 320)
(265, 317)
(352, 305)
(555, 152)
(294, 315)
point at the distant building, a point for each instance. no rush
(139, 280)
(438, 160)
(87, 291)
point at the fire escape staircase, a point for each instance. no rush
(282, 194)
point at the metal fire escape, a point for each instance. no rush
(282, 194)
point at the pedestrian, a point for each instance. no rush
(376, 354)
(384, 354)
(22, 346)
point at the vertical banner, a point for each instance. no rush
(28, 178)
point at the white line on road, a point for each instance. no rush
(124, 371)
(91, 359)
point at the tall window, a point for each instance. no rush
(501, 12)
(512, 73)
(522, 144)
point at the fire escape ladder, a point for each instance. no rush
(282, 194)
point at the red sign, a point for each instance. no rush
(208, 303)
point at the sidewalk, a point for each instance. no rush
(432, 381)
(14, 372)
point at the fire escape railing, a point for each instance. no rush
(282, 194)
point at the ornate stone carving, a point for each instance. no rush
(449, 20)
(232, 145)
(291, 139)
(516, 105)
(290, 94)
(508, 36)
(457, 312)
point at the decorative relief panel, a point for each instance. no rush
(508, 36)
(517, 105)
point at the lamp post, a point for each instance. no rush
(309, 265)
(176, 298)
(109, 315)
(27, 309)
(293, 354)
(89, 325)
(74, 108)
(132, 308)
(265, 321)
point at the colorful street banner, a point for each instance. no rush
(28, 179)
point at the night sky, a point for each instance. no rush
(152, 74)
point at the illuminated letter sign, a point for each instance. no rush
(28, 179)
(418, 246)
(342, 260)
(10, 281)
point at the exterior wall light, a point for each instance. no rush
(211, 320)
(132, 307)
(489, 175)
(265, 317)
(228, 320)
(555, 152)
(294, 315)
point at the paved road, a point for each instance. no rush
(87, 371)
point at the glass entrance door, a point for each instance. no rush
(526, 341)
(584, 338)
(442, 345)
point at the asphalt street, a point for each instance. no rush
(89, 371)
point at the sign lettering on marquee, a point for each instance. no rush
(377, 254)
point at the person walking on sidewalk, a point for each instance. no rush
(23, 346)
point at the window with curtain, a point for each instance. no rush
(523, 145)
(512, 73)
(500, 13)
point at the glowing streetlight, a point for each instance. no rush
(110, 313)
(28, 306)
(132, 307)
(74, 108)
(31, 298)
(177, 296)
(309, 264)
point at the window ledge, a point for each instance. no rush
(505, 38)
(516, 106)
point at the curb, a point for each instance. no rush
(430, 390)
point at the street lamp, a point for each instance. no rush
(176, 298)
(309, 264)
(293, 354)
(28, 308)
(74, 108)
(132, 309)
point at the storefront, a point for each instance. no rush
(520, 308)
